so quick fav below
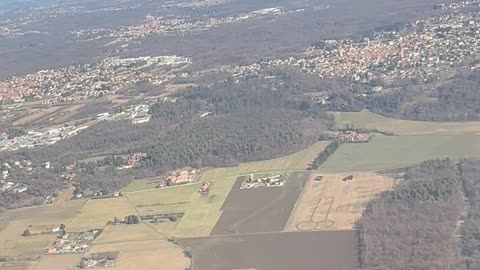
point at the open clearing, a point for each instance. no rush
(14, 222)
(96, 213)
(123, 233)
(387, 152)
(297, 161)
(276, 251)
(366, 119)
(333, 204)
(149, 254)
(200, 212)
(16, 265)
(60, 262)
(261, 209)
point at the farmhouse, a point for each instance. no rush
(102, 259)
(269, 181)
(73, 242)
(182, 176)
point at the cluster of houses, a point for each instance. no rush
(161, 26)
(38, 138)
(353, 137)
(12, 187)
(99, 260)
(133, 160)
(417, 51)
(457, 5)
(73, 242)
(79, 82)
(179, 177)
(268, 181)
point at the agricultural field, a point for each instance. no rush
(297, 161)
(62, 262)
(368, 120)
(333, 204)
(200, 212)
(260, 210)
(17, 265)
(125, 233)
(146, 254)
(141, 184)
(96, 213)
(276, 251)
(387, 152)
(14, 222)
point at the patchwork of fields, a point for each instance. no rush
(311, 220)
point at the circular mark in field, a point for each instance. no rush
(306, 225)
(325, 224)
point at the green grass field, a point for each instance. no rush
(385, 152)
(296, 161)
(14, 222)
(200, 213)
(96, 213)
(137, 185)
(366, 119)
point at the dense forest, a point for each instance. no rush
(453, 100)
(413, 226)
(217, 125)
(418, 225)
(470, 244)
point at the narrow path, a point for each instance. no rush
(461, 219)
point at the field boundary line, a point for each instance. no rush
(260, 233)
(297, 203)
(79, 212)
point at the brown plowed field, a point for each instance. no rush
(333, 204)
(275, 251)
(261, 209)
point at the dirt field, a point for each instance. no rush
(146, 255)
(16, 266)
(276, 251)
(62, 262)
(259, 210)
(31, 115)
(96, 213)
(333, 204)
